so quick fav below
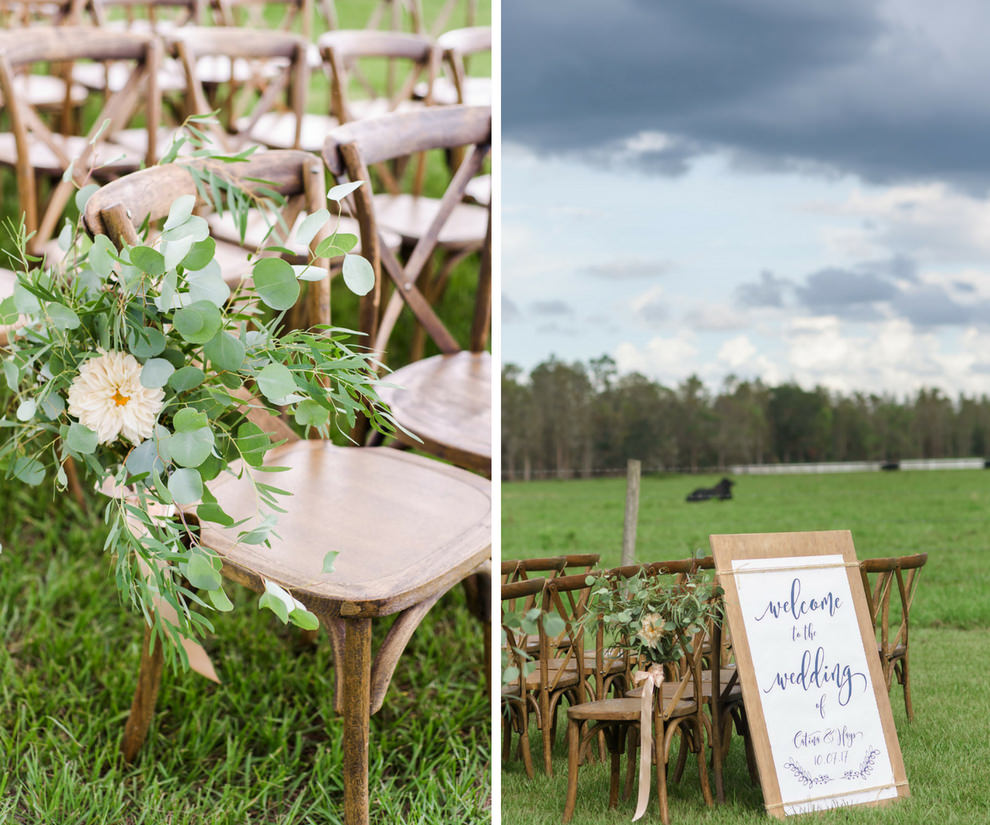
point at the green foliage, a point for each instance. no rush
(147, 345)
(653, 616)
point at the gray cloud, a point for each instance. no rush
(832, 289)
(552, 308)
(767, 292)
(628, 269)
(889, 90)
(931, 306)
(879, 289)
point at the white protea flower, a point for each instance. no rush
(651, 629)
(107, 396)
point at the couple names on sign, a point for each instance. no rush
(812, 685)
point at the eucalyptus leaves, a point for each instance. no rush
(651, 615)
(142, 365)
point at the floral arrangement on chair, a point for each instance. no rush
(136, 369)
(649, 615)
(656, 620)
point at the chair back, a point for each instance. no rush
(143, 15)
(516, 569)
(886, 572)
(293, 15)
(348, 152)
(281, 79)
(353, 56)
(90, 151)
(518, 600)
(456, 46)
(121, 207)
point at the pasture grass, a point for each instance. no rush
(263, 747)
(946, 514)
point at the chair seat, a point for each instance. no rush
(114, 76)
(477, 91)
(278, 130)
(619, 710)
(410, 216)
(479, 190)
(445, 400)
(377, 106)
(46, 91)
(109, 157)
(406, 527)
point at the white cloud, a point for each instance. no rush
(887, 357)
(930, 222)
(662, 359)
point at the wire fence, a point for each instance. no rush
(804, 468)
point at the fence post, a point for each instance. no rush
(632, 511)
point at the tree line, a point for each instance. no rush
(570, 420)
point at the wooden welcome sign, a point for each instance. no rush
(818, 710)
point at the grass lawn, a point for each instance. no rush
(946, 514)
(263, 747)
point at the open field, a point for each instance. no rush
(946, 514)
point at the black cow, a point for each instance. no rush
(722, 491)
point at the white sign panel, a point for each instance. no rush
(813, 680)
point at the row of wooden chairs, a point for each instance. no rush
(431, 521)
(392, 15)
(702, 695)
(394, 220)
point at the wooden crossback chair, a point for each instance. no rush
(678, 708)
(293, 15)
(723, 693)
(51, 89)
(457, 85)
(407, 528)
(154, 17)
(35, 151)
(518, 599)
(517, 569)
(554, 673)
(396, 15)
(287, 84)
(445, 400)
(893, 631)
(409, 58)
(144, 193)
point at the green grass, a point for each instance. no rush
(263, 747)
(946, 514)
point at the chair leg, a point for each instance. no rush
(615, 737)
(145, 697)
(524, 751)
(660, 755)
(682, 753)
(906, 683)
(706, 790)
(357, 716)
(573, 752)
(632, 742)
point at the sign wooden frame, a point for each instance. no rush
(737, 556)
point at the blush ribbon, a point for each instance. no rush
(651, 678)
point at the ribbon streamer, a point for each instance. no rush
(651, 678)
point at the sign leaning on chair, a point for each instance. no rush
(813, 688)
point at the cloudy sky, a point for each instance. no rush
(770, 188)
